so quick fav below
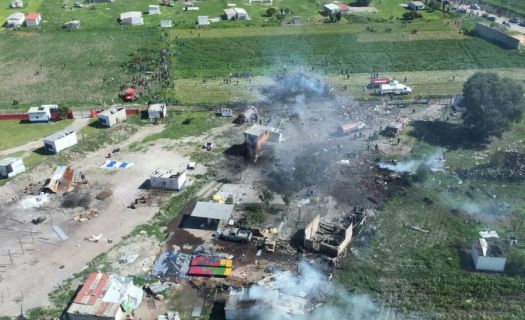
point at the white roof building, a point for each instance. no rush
(168, 179)
(154, 9)
(236, 14)
(10, 167)
(203, 20)
(41, 114)
(132, 17)
(166, 23)
(60, 141)
(112, 116)
(15, 20)
(157, 111)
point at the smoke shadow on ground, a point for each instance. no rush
(236, 150)
(217, 312)
(448, 135)
(465, 260)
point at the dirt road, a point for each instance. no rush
(35, 144)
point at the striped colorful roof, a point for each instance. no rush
(208, 261)
(209, 271)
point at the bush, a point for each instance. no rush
(270, 12)
(362, 3)
(412, 15)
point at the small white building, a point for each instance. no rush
(260, 1)
(133, 18)
(487, 255)
(60, 140)
(72, 25)
(157, 111)
(40, 114)
(331, 8)
(154, 9)
(112, 116)
(33, 19)
(166, 23)
(167, 179)
(16, 4)
(203, 20)
(15, 20)
(10, 167)
(236, 14)
(416, 5)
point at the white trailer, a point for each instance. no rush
(42, 113)
(394, 87)
(10, 167)
(157, 111)
(60, 141)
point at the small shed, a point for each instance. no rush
(236, 14)
(33, 19)
(154, 9)
(72, 25)
(60, 140)
(15, 20)
(112, 116)
(416, 5)
(40, 114)
(487, 255)
(203, 20)
(10, 167)
(133, 18)
(168, 179)
(254, 138)
(166, 23)
(331, 8)
(16, 4)
(157, 111)
(213, 210)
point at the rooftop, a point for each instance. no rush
(8, 161)
(33, 16)
(130, 14)
(110, 111)
(157, 107)
(166, 173)
(212, 210)
(59, 135)
(16, 16)
(255, 130)
(489, 248)
(43, 108)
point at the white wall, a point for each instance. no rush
(110, 119)
(62, 143)
(43, 116)
(168, 183)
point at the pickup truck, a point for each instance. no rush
(236, 235)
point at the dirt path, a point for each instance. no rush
(76, 125)
(37, 272)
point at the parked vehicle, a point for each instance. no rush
(395, 88)
(514, 20)
(506, 24)
(236, 235)
(522, 24)
(491, 18)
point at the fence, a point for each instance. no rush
(76, 114)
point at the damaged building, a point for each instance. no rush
(328, 238)
(168, 179)
(105, 297)
(254, 139)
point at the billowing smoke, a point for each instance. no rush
(312, 295)
(434, 162)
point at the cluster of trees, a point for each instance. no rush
(492, 104)
(412, 15)
(280, 13)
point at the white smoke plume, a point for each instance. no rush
(309, 290)
(434, 162)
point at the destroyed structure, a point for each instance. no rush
(105, 297)
(168, 179)
(487, 255)
(327, 238)
(64, 179)
(250, 114)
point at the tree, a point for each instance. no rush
(492, 104)
(363, 3)
(271, 11)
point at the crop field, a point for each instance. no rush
(335, 53)
(17, 133)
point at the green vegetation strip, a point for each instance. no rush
(16, 132)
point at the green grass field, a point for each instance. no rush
(21, 133)
(517, 6)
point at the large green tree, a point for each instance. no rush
(492, 104)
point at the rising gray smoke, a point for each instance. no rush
(320, 298)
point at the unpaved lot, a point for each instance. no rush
(38, 265)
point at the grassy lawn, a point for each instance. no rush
(35, 72)
(21, 133)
